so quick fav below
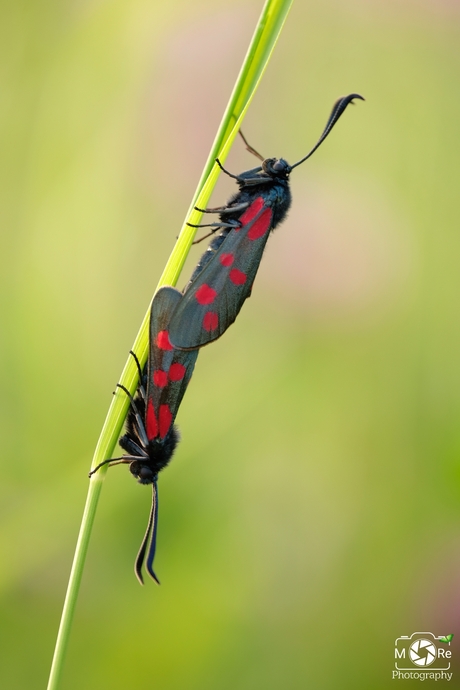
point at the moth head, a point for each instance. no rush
(142, 472)
(276, 167)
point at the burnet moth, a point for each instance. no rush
(151, 436)
(225, 273)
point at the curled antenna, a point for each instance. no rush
(338, 109)
(150, 535)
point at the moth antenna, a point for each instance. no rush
(250, 148)
(338, 109)
(153, 541)
(151, 523)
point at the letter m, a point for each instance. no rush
(400, 654)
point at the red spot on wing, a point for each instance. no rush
(261, 225)
(165, 419)
(162, 341)
(251, 212)
(226, 259)
(205, 294)
(210, 321)
(176, 372)
(237, 277)
(160, 378)
(151, 424)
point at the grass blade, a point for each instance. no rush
(263, 42)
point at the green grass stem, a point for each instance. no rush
(263, 42)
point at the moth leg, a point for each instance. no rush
(140, 386)
(214, 225)
(200, 239)
(250, 148)
(137, 363)
(251, 181)
(217, 209)
(235, 177)
(224, 209)
(248, 181)
(205, 237)
(140, 424)
(123, 460)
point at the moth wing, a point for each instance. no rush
(168, 370)
(213, 300)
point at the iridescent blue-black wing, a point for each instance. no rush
(213, 300)
(168, 370)
(168, 373)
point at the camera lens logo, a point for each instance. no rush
(422, 652)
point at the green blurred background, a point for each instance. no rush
(311, 514)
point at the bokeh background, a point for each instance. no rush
(311, 514)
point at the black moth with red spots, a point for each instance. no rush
(179, 324)
(151, 437)
(223, 278)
